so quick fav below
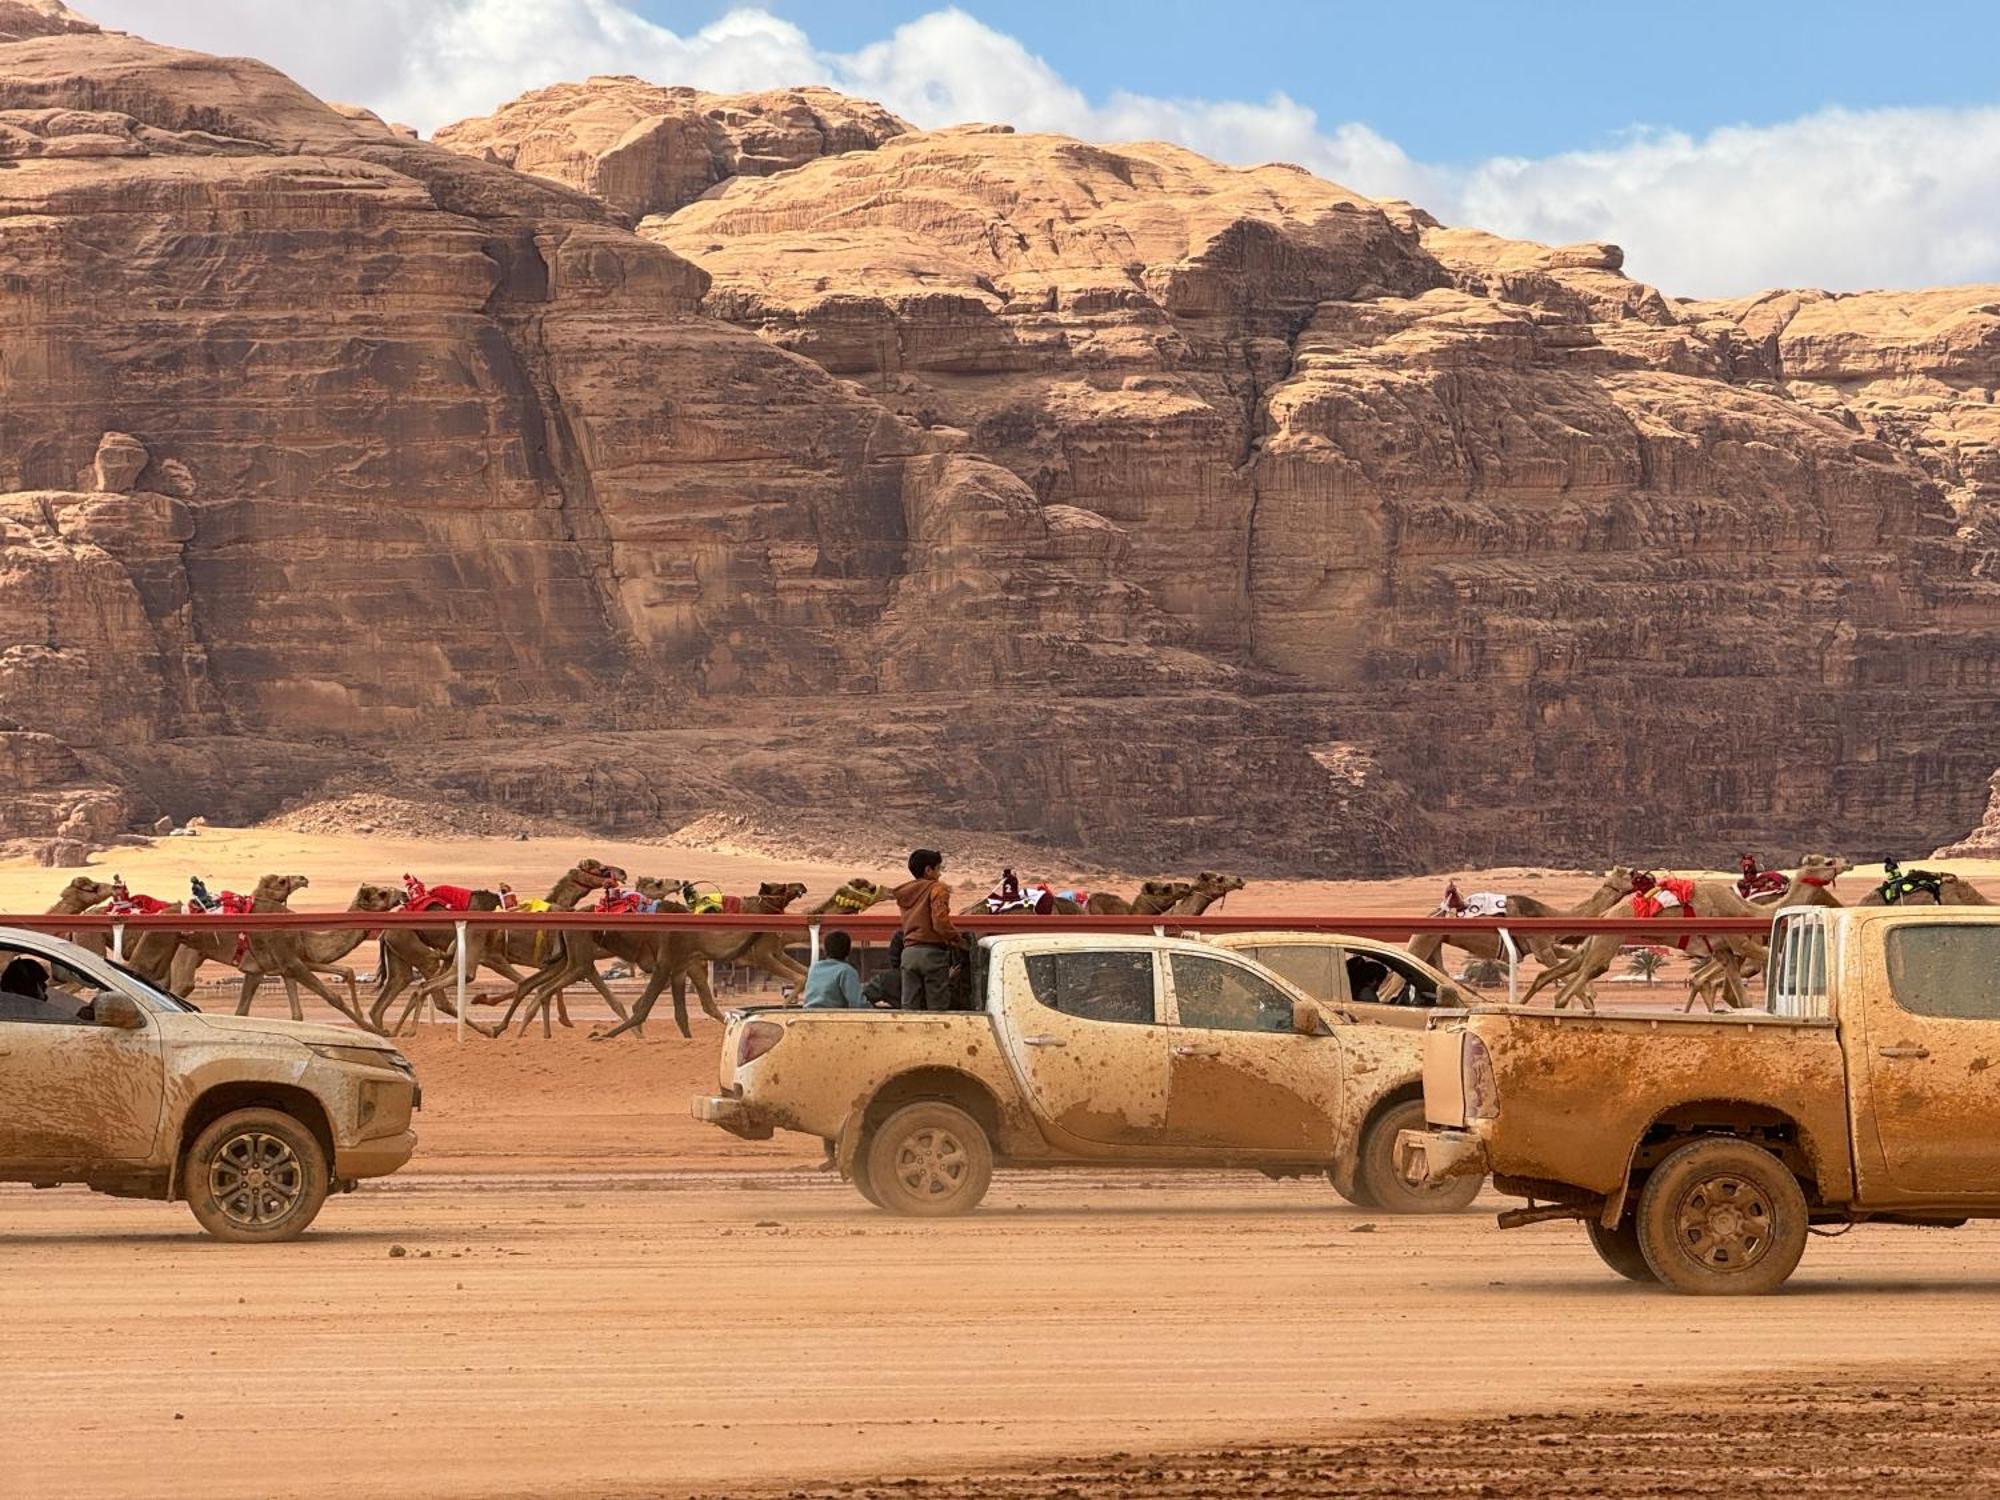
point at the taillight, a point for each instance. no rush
(1481, 1094)
(757, 1038)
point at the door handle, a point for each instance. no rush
(1906, 1051)
(1043, 1041)
(1197, 1052)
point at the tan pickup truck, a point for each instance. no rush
(1086, 1048)
(109, 1081)
(1698, 1150)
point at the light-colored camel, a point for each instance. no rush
(411, 955)
(506, 951)
(1812, 885)
(685, 956)
(212, 939)
(1549, 948)
(1154, 897)
(287, 954)
(80, 895)
(1734, 952)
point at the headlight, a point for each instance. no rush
(366, 1057)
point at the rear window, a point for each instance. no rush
(1947, 969)
(1310, 966)
(1107, 986)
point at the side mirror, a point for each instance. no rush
(1307, 1019)
(120, 1012)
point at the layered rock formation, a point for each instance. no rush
(644, 149)
(948, 480)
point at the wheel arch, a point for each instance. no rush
(1346, 1168)
(947, 1085)
(1758, 1122)
(226, 1098)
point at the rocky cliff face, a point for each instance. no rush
(643, 149)
(960, 480)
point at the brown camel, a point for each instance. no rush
(1208, 888)
(1950, 890)
(506, 951)
(412, 954)
(1811, 886)
(687, 955)
(1154, 897)
(80, 895)
(280, 953)
(1733, 953)
(287, 954)
(1549, 948)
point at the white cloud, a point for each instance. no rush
(1839, 198)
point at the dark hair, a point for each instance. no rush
(23, 976)
(837, 945)
(922, 860)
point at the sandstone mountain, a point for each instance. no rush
(958, 479)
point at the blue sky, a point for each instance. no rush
(1456, 82)
(1727, 148)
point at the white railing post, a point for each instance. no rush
(118, 941)
(812, 941)
(461, 980)
(1513, 967)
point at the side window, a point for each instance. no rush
(1946, 969)
(1223, 996)
(40, 991)
(1310, 966)
(1113, 985)
(1377, 979)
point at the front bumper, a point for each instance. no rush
(731, 1114)
(376, 1158)
(1431, 1156)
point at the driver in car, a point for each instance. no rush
(24, 995)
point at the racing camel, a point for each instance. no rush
(1549, 948)
(211, 938)
(505, 951)
(1902, 887)
(685, 955)
(320, 951)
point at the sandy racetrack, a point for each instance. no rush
(721, 1332)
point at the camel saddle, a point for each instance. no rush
(1764, 883)
(1655, 898)
(1478, 904)
(621, 902)
(125, 904)
(421, 897)
(1903, 884)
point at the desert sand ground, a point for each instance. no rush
(597, 1296)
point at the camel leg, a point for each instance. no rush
(656, 981)
(182, 971)
(1426, 946)
(298, 974)
(251, 983)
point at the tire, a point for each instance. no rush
(1619, 1249)
(256, 1176)
(1358, 1196)
(929, 1160)
(1384, 1185)
(863, 1186)
(1722, 1218)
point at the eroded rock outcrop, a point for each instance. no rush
(644, 149)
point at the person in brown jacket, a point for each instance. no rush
(928, 934)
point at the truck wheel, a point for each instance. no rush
(1619, 1249)
(1380, 1180)
(1358, 1197)
(863, 1186)
(929, 1159)
(255, 1176)
(1722, 1218)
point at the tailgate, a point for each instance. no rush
(1444, 1073)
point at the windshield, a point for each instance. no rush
(145, 989)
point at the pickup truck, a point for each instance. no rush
(1370, 980)
(1698, 1151)
(109, 1081)
(1137, 1050)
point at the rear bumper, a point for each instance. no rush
(1439, 1155)
(731, 1114)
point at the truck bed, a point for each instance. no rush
(1576, 1090)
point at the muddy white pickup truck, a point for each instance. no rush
(1087, 1048)
(109, 1081)
(1699, 1151)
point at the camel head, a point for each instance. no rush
(1824, 867)
(595, 875)
(783, 894)
(278, 889)
(658, 888)
(1618, 880)
(83, 893)
(1208, 882)
(376, 898)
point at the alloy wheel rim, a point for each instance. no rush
(1724, 1223)
(256, 1179)
(932, 1163)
